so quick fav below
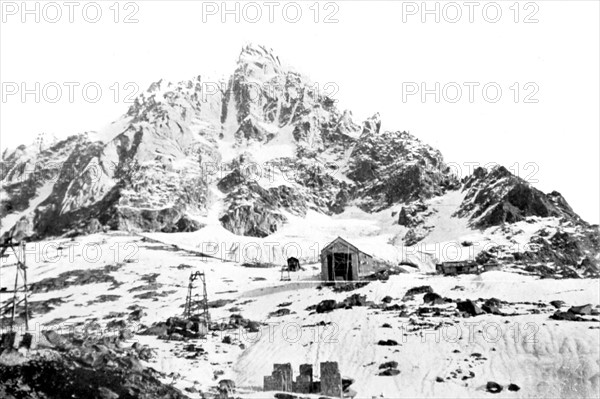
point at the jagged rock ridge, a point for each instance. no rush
(154, 169)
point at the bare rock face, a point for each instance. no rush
(497, 197)
(156, 168)
(416, 234)
(412, 215)
(21, 230)
(403, 218)
(562, 248)
(26, 171)
(396, 167)
(252, 221)
(134, 175)
(256, 212)
(169, 220)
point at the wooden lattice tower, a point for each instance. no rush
(192, 309)
(17, 288)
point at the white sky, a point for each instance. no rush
(368, 54)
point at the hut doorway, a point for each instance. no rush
(339, 266)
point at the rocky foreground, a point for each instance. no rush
(80, 368)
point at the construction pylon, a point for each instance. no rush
(21, 271)
(191, 301)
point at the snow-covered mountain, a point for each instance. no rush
(230, 179)
(263, 150)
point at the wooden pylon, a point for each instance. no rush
(22, 272)
(189, 309)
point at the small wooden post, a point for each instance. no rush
(24, 266)
(16, 289)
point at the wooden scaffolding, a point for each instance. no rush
(20, 283)
(194, 304)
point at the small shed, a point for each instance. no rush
(342, 261)
(458, 267)
(293, 264)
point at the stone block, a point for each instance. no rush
(331, 380)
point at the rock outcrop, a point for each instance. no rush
(497, 197)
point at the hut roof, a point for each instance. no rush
(346, 242)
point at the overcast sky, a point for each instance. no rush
(374, 56)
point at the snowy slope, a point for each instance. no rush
(546, 359)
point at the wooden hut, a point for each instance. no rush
(342, 261)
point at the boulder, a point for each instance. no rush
(327, 305)
(581, 310)
(469, 307)
(57, 340)
(433, 299)
(423, 289)
(136, 315)
(387, 342)
(388, 365)
(513, 387)
(493, 387)
(558, 315)
(354, 300)
(280, 312)
(404, 219)
(558, 304)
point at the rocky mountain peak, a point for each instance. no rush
(258, 61)
(151, 173)
(253, 52)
